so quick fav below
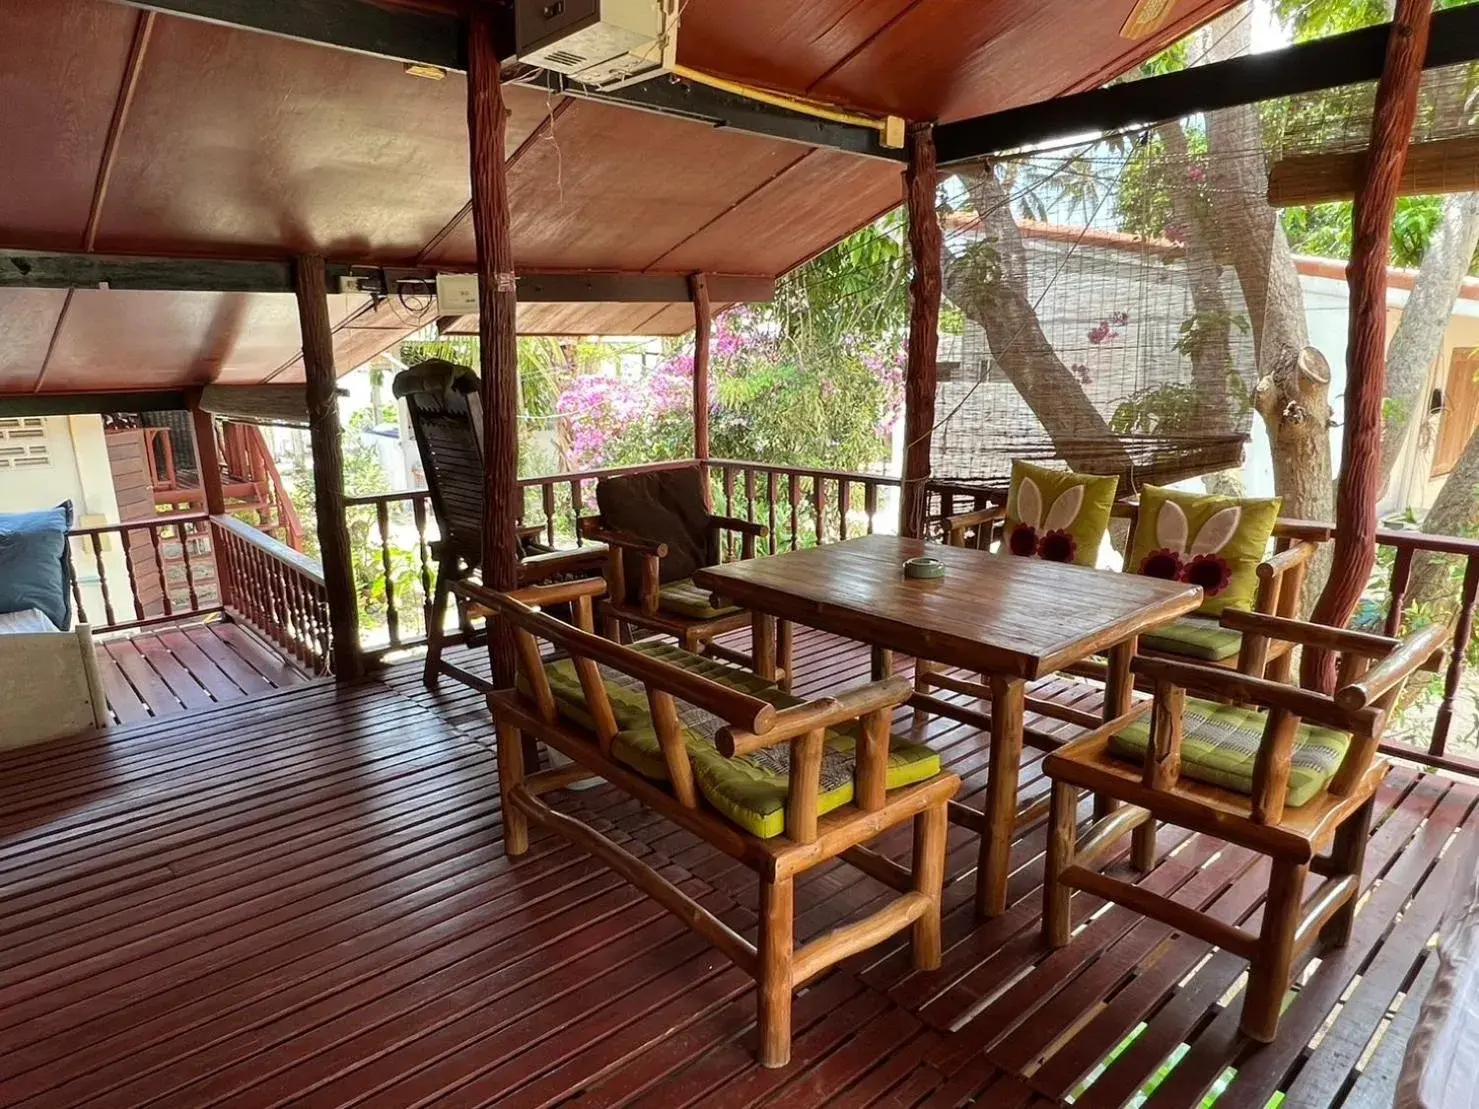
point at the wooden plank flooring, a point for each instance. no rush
(169, 671)
(301, 899)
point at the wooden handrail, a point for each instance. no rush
(163, 520)
(279, 550)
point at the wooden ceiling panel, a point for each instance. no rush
(604, 319)
(61, 63)
(27, 321)
(248, 144)
(616, 189)
(823, 198)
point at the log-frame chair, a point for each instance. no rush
(1280, 582)
(775, 962)
(1326, 835)
(446, 417)
(617, 616)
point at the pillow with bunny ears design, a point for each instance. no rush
(1212, 541)
(1057, 515)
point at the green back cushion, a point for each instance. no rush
(752, 790)
(1057, 514)
(1211, 541)
(1220, 744)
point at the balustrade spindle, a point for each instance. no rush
(97, 557)
(392, 614)
(1463, 628)
(577, 509)
(750, 494)
(418, 515)
(870, 502)
(793, 481)
(770, 507)
(547, 501)
(844, 502)
(183, 530)
(819, 507)
(1401, 577)
(133, 577)
(154, 541)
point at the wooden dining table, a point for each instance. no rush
(1011, 620)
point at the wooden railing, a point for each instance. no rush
(145, 572)
(803, 507)
(275, 591)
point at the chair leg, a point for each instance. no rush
(1142, 846)
(510, 775)
(930, 829)
(785, 653)
(1269, 976)
(1348, 852)
(1062, 841)
(923, 668)
(691, 642)
(435, 633)
(777, 924)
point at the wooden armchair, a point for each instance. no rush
(1293, 778)
(446, 419)
(1198, 638)
(658, 530)
(782, 786)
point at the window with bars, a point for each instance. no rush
(23, 443)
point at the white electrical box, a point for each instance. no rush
(601, 43)
(457, 294)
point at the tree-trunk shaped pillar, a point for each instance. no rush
(497, 335)
(920, 367)
(1376, 204)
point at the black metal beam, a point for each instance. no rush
(1327, 63)
(673, 96)
(48, 270)
(428, 38)
(87, 404)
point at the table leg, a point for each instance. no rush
(785, 653)
(762, 633)
(883, 663)
(1007, 708)
(1119, 684)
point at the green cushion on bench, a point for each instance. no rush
(751, 790)
(1220, 744)
(683, 598)
(1198, 637)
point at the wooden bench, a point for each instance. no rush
(780, 784)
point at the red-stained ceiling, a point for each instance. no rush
(236, 144)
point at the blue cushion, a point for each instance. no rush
(33, 563)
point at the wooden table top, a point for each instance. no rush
(1020, 617)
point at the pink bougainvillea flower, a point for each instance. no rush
(1023, 540)
(1210, 571)
(1164, 563)
(1057, 546)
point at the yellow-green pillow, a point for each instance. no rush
(1057, 515)
(1211, 541)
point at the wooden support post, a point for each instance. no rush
(1376, 203)
(925, 247)
(703, 326)
(497, 336)
(207, 457)
(328, 463)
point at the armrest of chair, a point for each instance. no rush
(1311, 531)
(748, 531)
(956, 526)
(652, 553)
(1308, 635)
(528, 531)
(1229, 685)
(1419, 650)
(541, 567)
(824, 712)
(627, 541)
(1277, 565)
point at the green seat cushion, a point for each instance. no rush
(1057, 515)
(1220, 743)
(1195, 637)
(1212, 541)
(751, 790)
(683, 598)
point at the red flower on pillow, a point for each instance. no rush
(1210, 571)
(1023, 540)
(1057, 546)
(1162, 563)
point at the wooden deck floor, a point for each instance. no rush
(302, 900)
(168, 671)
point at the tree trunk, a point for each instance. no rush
(1419, 335)
(989, 285)
(1293, 393)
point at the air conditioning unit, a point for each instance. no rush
(602, 43)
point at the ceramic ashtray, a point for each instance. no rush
(924, 568)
